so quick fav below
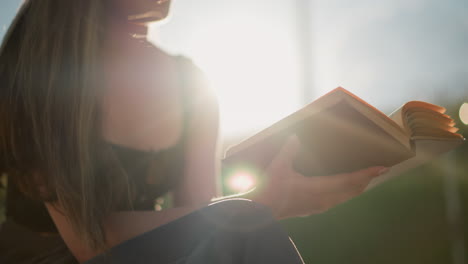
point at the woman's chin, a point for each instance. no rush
(148, 17)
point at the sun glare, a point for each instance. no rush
(252, 67)
(241, 181)
(251, 58)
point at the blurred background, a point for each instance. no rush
(267, 58)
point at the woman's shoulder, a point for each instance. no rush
(193, 80)
(181, 61)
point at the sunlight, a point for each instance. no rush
(253, 68)
(241, 181)
(251, 72)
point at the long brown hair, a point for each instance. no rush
(49, 119)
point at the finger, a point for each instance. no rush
(357, 177)
(344, 182)
(324, 202)
(286, 155)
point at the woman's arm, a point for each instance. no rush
(200, 183)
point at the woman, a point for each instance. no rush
(96, 123)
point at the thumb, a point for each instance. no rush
(286, 154)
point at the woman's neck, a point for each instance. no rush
(121, 30)
(121, 39)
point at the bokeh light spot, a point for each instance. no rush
(464, 113)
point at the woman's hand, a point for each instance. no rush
(291, 194)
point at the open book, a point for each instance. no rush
(340, 132)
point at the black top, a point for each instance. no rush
(166, 165)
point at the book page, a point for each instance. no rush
(421, 119)
(397, 116)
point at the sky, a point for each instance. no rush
(8, 9)
(387, 52)
(392, 51)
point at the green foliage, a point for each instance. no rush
(401, 221)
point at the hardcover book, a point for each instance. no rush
(339, 133)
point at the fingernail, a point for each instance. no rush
(383, 171)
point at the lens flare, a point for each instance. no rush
(464, 113)
(241, 181)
